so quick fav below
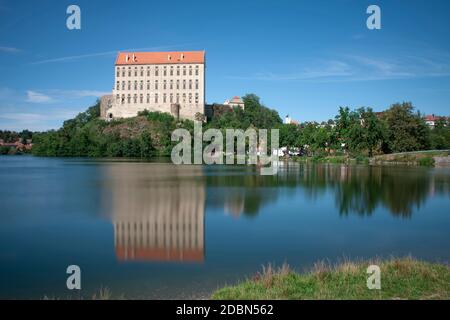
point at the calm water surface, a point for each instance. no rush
(155, 230)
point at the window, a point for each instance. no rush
(165, 85)
(123, 85)
(141, 85)
(118, 97)
(135, 84)
(129, 85)
(196, 70)
(196, 84)
(148, 84)
(129, 71)
(190, 84)
(148, 71)
(178, 98)
(196, 98)
(164, 98)
(141, 98)
(135, 98)
(178, 84)
(184, 97)
(171, 98)
(178, 70)
(142, 71)
(184, 70)
(156, 84)
(118, 72)
(117, 85)
(156, 72)
(171, 71)
(123, 72)
(165, 72)
(190, 97)
(190, 70)
(148, 98)
(171, 84)
(156, 98)
(129, 98)
(135, 71)
(123, 99)
(184, 84)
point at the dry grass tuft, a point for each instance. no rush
(103, 294)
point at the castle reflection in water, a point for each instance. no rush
(157, 211)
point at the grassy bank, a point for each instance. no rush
(420, 158)
(341, 159)
(404, 278)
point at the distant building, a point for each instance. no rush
(172, 82)
(289, 120)
(19, 144)
(235, 102)
(432, 119)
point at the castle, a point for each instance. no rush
(172, 82)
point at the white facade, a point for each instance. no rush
(173, 87)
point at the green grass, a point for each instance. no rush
(420, 158)
(426, 162)
(404, 278)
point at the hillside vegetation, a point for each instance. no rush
(147, 135)
(352, 134)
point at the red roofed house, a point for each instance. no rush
(235, 102)
(432, 119)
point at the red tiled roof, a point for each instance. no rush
(175, 57)
(431, 118)
(159, 254)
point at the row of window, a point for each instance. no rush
(165, 98)
(122, 71)
(184, 85)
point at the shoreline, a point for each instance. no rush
(401, 278)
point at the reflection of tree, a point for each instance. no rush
(242, 190)
(357, 189)
(361, 189)
(364, 190)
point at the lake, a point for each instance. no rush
(156, 230)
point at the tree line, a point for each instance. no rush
(354, 132)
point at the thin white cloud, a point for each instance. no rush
(58, 95)
(47, 120)
(105, 53)
(9, 49)
(37, 97)
(330, 69)
(361, 68)
(33, 117)
(75, 94)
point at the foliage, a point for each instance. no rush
(358, 133)
(12, 136)
(86, 135)
(440, 135)
(406, 130)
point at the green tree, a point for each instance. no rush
(406, 130)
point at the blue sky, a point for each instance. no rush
(303, 58)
